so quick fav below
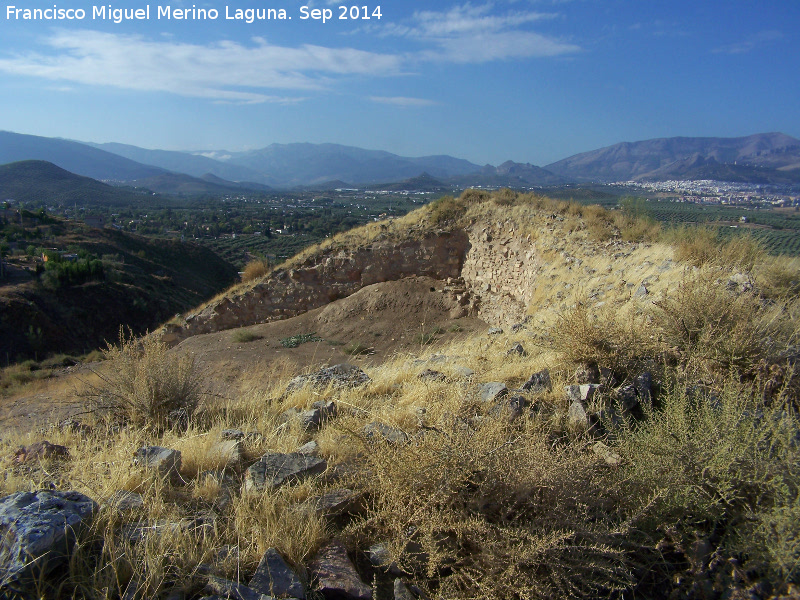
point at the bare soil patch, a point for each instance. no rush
(382, 320)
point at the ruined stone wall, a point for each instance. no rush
(501, 269)
(496, 268)
(327, 277)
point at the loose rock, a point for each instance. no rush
(39, 529)
(517, 350)
(393, 435)
(165, 461)
(464, 372)
(226, 452)
(225, 588)
(319, 413)
(581, 393)
(336, 576)
(308, 449)
(610, 457)
(275, 469)
(338, 503)
(538, 382)
(401, 592)
(587, 373)
(577, 419)
(39, 451)
(494, 390)
(338, 376)
(431, 375)
(274, 577)
(232, 434)
(124, 501)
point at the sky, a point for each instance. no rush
(489, 81)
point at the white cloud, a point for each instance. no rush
(402, 101)
(253, 71)
(226, 71)
(750, 43)
(473, 34)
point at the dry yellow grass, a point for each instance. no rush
(255, 269)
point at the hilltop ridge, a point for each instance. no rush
(501, 255)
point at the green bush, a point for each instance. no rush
(424, 339)
(295, 340)
(60, 273)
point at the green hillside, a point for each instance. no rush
(111, 279)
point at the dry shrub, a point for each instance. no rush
(243, 336)
(742, 252)
(598, 222)
(142, 382)
(715, 330)
(478, 510)
(722, 469)
(617, 341)
(505, 197)
(575, 209)
(168, 556)
(702, 245)
(473, 196)
(278, 519)
(255, 269)
(778, 277)
(637, 229)
(447, 209)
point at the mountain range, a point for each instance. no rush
(666, 158)
(760, 158)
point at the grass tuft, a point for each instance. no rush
(142, 382)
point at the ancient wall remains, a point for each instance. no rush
(501, 269)
(496, 270)
(327, 277)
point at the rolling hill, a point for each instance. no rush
(41, 181)
(509, 174)
(178, 184)
(289, 165)
(698, 167)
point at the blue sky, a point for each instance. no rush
(531, 81)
